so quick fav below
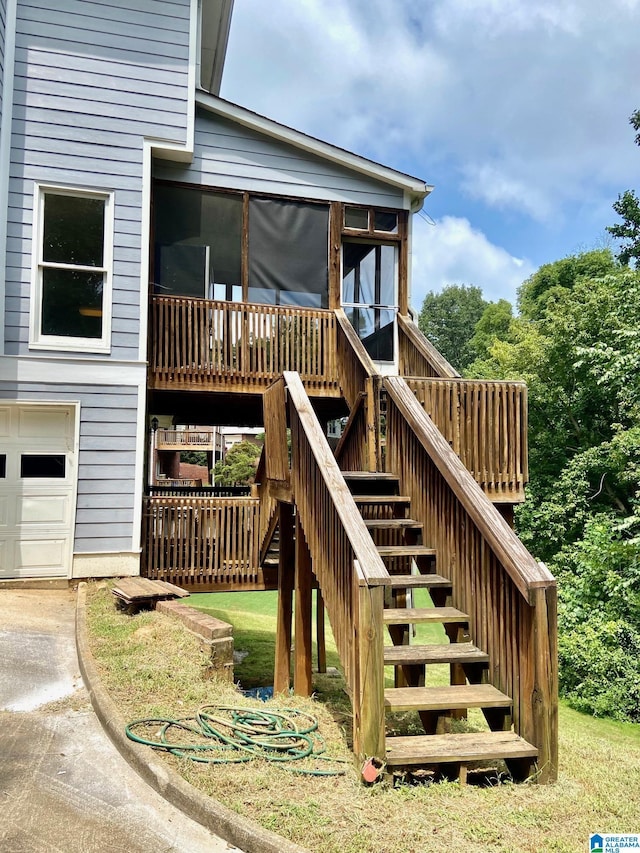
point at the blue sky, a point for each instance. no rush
(515, 110)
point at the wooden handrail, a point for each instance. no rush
(275, 434)
(351, 451)
(353, 359)
(510, 598)
(359, 376)
(485, 423)
(418, 356)
(346, 563)
(525, 572)
(309, 431)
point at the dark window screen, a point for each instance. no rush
(198, 242)
(49, 466)
(288, 253)
(356, 217)
(3, 466)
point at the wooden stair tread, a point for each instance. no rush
(451, 698)
(405, 551)
(476, 746)
(434, 653)
(382, 499)
(426, 581)
(391, 523)
(369, 475)
(138, 589)
(406, 615)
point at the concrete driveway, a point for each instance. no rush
(63, 785)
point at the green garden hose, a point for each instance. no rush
(224, 734)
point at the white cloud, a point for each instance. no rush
(525, 104)
(489, 182)
(453, 252)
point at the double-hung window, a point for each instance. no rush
(71, 294)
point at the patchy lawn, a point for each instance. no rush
(153, 667)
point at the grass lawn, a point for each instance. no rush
(153, 667)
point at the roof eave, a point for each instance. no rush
(214, 36)
(417, 189)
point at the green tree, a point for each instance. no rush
(578, 349)
(449, 318)
(238, 466)
(193, 457)
(493, 325)
(628, 207)
(551, 280)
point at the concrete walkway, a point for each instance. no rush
(64, 788)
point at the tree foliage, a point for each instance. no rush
(449, 318)
(238, 466)
(628, 208)
(194, 457)
(576, 343)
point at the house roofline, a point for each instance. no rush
(416, 188)
(214, 36)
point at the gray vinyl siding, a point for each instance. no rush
(3, 27)
(106, 459)
(92, 80)
(231, 156)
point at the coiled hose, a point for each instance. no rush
(224, 734)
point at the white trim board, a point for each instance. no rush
(71, 371)
(6, 127)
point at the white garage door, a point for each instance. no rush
(38, 472)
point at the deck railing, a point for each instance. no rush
(202, 543)
(417, 355)
(345, 563)
(205, 344)
(360, 384)
(485, 423)
(168, 439)
(510, 598)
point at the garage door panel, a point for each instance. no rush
(44, 510)
(38, 471)
(5, 503)
(6, 556)
(35, 556)
(41, 424)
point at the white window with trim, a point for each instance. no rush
(72, 270)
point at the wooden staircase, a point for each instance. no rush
(411, 566)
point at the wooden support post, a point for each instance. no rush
(320, 638)
(368, 698)
(304, 589)
(373, 425)
(545, 694)
(286, 578)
